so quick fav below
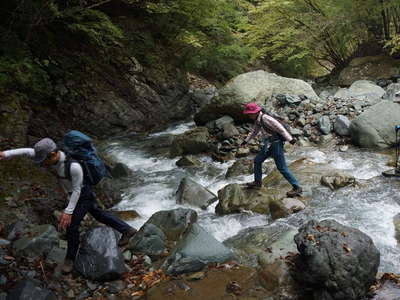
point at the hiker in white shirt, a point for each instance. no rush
(81, 197)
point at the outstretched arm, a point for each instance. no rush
(28, 152)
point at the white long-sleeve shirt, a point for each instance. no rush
(271, 126)
(72, 187)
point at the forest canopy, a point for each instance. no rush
(214, 38)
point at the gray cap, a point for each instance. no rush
(43, 148)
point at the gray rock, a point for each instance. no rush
(362, 89)
(342, 125)
(192, 142)
(174, 222)
(149, 240)
(28, 290)
(99, 257)
(337, 262)
(221, 122)
(324, 125)
(375, 127)
(193, 193)
(43, 239)
(120, 171)
(56, 255)
(258, 86)
(196, 249)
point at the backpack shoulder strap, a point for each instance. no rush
(67, 167)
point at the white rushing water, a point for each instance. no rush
(156, 178)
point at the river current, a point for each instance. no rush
(156, 178)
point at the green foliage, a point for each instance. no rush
(23, 76)
(95, 27)
(394, 45)
(296, 34)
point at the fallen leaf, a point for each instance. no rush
(310, 237)
(347, 249)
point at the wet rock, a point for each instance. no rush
(285, 207)
(396, 222)
(148, 240)
(337, 180)
(28, 290)
(99, 257)
(337, 262)
(263, 244)
(240, 167)
(126, 215)
(192, 142)
(193, 193)
(188, 161)
(120, 170)
(174, 222)
(195, 250)
(235, 198)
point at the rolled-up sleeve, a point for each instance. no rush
(253, 133)
(76, 181)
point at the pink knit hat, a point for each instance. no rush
(251, 108)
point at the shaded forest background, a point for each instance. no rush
(44, 42)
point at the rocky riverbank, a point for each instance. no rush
(172, 256)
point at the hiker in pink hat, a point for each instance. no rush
(274, 136)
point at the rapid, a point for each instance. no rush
(370, 207)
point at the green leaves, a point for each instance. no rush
(297, 33)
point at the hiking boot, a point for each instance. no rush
(126, 237)
(254, 185)
(297, 191)
(67, 266)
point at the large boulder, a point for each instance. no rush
(362, 90)
(337, 262)
(195, 250)
(99, 257)
(369, 68)
(258, 86)
(375, 127)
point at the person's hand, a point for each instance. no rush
(65, 221)
(293, 141)
(2, 155)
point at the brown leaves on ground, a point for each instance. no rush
(234, 288)
(395, 278)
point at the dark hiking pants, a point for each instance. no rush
(87, 203)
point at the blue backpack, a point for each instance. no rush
(78, 147)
